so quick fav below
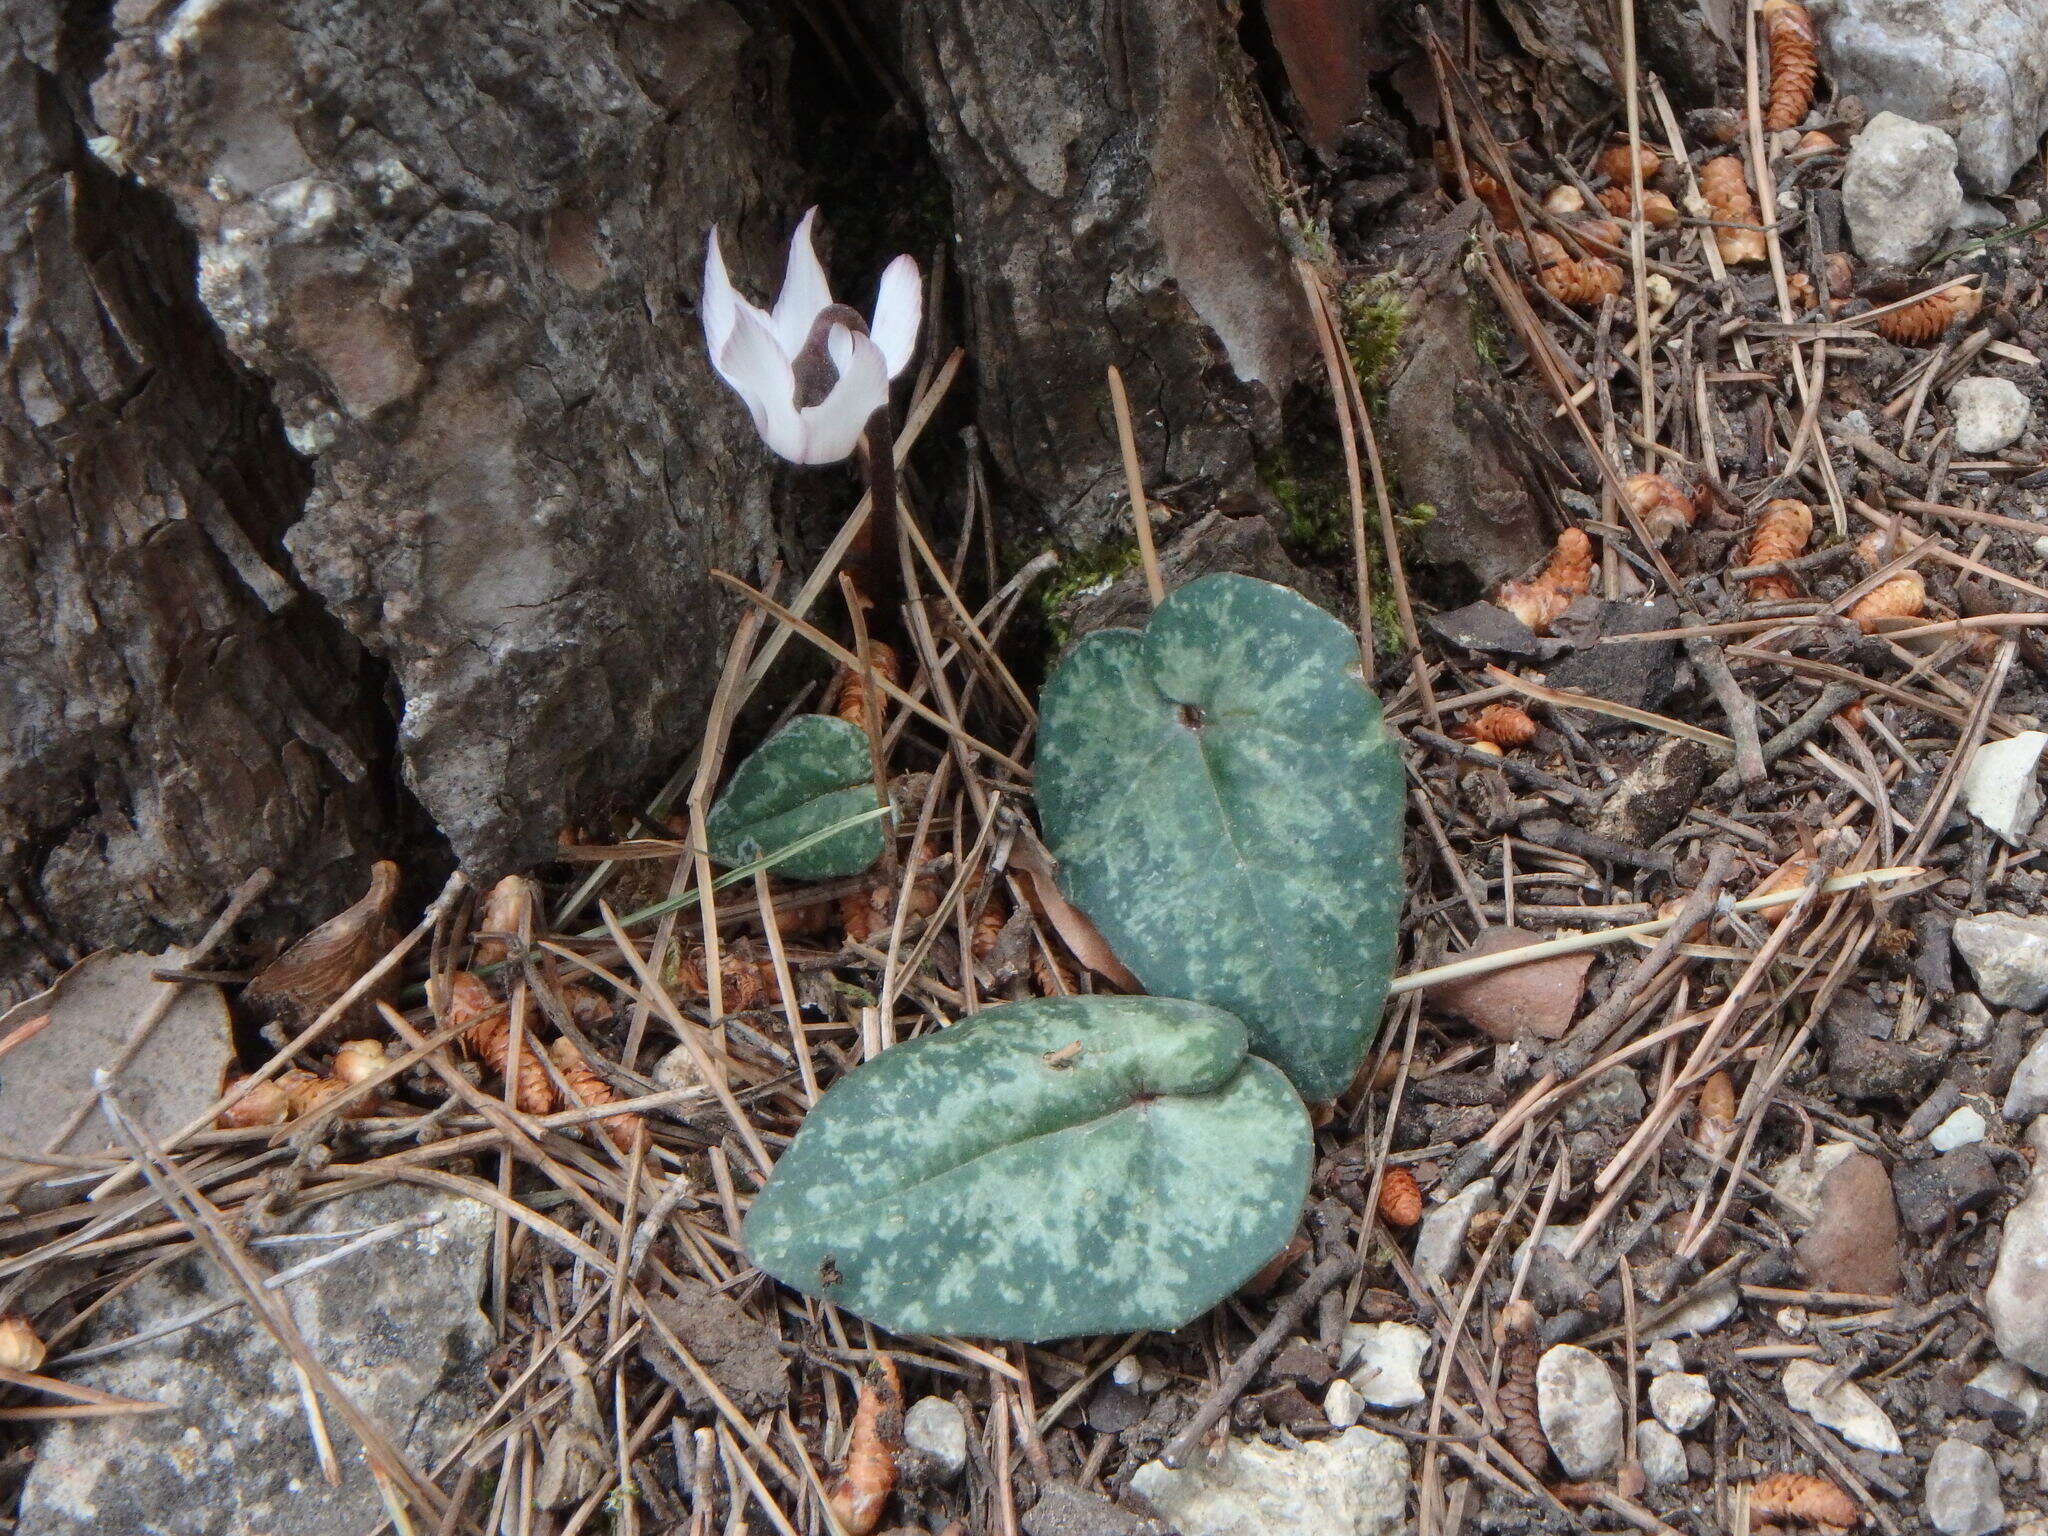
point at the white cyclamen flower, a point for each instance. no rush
(813, 371)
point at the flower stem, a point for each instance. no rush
(877, 559)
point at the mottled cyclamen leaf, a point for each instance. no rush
(1226, 805)
(1065, 1166)
(813, 773)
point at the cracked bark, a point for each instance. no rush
(463, 247)
(361, 458)
(176, 712)
(1111, 207)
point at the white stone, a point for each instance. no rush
(2002, 786)
(1442, 1235)
(1384, 1362)
(1354, 1484)
(1979, 64)
(1962, 1490)
(1797, 1185)
(1703, 1314)
(1974, 1022)
(1990, 415)
(2016, 1300)
(1580, 1410)
(1899, 190)
(1681, 1401)
(1962, 1128)
(1127, 1372)
(2009, 957)
(1340, 1403)
(1662, 1358)
(2027, 1096)
(936, 1429)
(1662, 1455)
(2008, 1383)
(1849, 1411)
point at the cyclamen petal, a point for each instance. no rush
(899, 306)
(804, 290)
(721, 301)
(834, 425)
(753, 364)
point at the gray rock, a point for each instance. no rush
(1642, 674)
(1973, 1021)
(1990, 415)
(1702, 1315)
(1962, 1490)
(1441, 1237)
(2016, 1300)
(1354, 1484)
(1849, 1411)
(1615, 1097)
(1681, 1400)
(1662, 1358)
(46, 1079)
(1662, 1455)
(1065, 1510)
(397, 1323)
(2027, 1095)
(2009, 957)
(935, 1429)
(1977, 63)
(1384, 1362)
(1899, 190)
(1580, 1410)
(2005, 1393)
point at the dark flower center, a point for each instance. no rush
(815, 373)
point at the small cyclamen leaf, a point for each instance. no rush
(1225, 804)
(814, 772)
(1045, 1169)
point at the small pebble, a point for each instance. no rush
(2003, 1385)
(1663, 1357)
(1853, 1244)
(1702, 1315)
(935, 1429)
(1849, 1411)
(1127, 1372)
(2008, 954)
(1974, 1021)
(1441, 1237)
(2016, 1300)
(1384, 1362)
(1990, 413)
(2002, 787)
(1962, 1490)
(1962, 1128)
(1341, 1405)
(1681, 1401)
(1580, 1410)
(2027, 1095)
(1662, 1454)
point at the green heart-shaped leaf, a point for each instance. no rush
(1065, 1166)
(812, 774)
(1226, 805)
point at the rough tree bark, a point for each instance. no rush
(1111, 208)
(360, 444)
(173, 710)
